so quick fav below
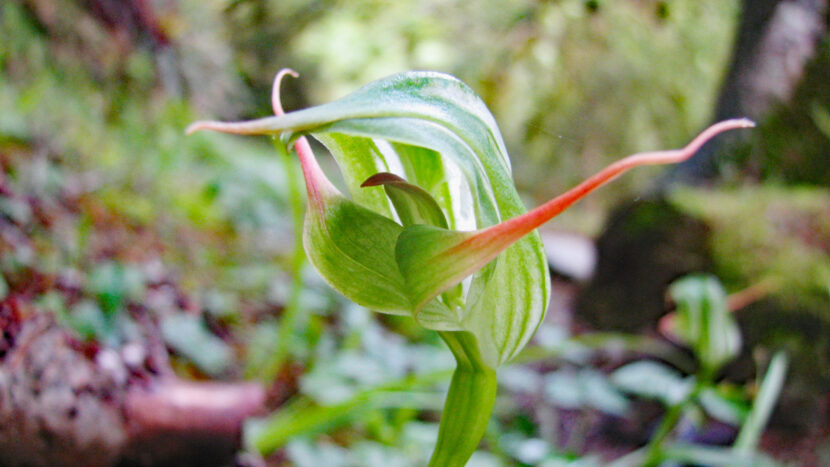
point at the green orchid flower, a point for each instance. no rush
(433, 227)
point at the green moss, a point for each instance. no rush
(774, 234)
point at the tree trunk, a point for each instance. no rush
(776, 39)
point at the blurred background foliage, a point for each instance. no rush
(573, 84)
(110, 214)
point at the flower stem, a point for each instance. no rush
(654, 449)
(469, 403)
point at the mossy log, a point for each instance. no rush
(773, 242)
(773, 236)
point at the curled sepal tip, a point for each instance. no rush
(259, 126)
(276, 103)
(433, 259)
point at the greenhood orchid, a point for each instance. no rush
(433, 227)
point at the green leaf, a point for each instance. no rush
(698, 455)
(301, 417)
(715, 456)
(703, 320)
(723, 406)
(771, 386)
(586, 388)
(652, 380)
(115, 284)
(191, 338)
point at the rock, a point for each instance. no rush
(67, 403)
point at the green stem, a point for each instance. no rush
(763, 405)
(292, 310)
(654, 451)
(469, 403)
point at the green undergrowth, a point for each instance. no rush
(130, 203)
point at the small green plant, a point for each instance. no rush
(703, 323)
(434, 228)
